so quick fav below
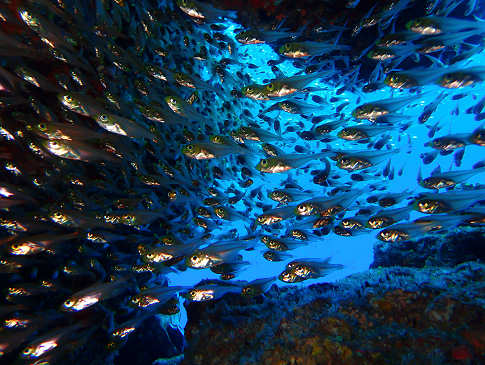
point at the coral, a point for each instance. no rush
(431, 251)
(385, 316)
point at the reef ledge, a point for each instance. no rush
(397, 315)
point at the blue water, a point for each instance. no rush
(355, 253)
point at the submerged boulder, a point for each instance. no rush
(397, 315)
(154, 340)
(431, 251)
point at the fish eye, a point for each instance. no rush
(103, 117)
(42, 126)
(194, 258)
(301, 208)
(67, 98)
(264, 162)
(68, 303)
(270, 87)
(287, 46)
(28, 351)
(190, 147)
(15, 247)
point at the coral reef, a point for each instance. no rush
(398, 315)
(431, 251)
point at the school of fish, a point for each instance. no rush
(141, 139)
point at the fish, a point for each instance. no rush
(326, 206)
(448, 143)
(156, 255)
(320, 131)
(36, 79)
(122, 126)
(181, 107)
(293, 106)
(215, 254)
(389, 199)
(207, 151)
(385, 108)
(271, 150)
(431, 108)
(36, 244)
(450, 201)
(355, 161)
(276, 256)
(309, 49)
(276, 215)
(409, 231)
(452, 77)
(257, 287)
(304, 269)
(93, 295)
(281, 87)
(38, 348)
(361, 132)
(288, 162)
(263, 36)
(387, 217)
(229, 214)
(476, 217)
(439, 180)
(80, 151)
(432, 25)
(155, 296)
(396, 39)
(192, 82)
(212, 290)
(255, 134)
(202, 12)
(288, 195)
(280, 244)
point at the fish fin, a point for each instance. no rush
(436, 61)
(436, 171)
(420, 175)
(480, 20)
(277, 72)
(429, 157)
(458, 156)
(290, 183)
(480, 127)
(433, 129)
(479, 164)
